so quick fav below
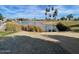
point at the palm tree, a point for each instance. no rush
(46, 11)
(45, 15)
(52, 8)
(55, 13)
(49, 16)
(49, 12)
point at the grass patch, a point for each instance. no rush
(5, 33)
(75, 29)
(73, 25)
(65, 22)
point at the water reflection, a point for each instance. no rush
(45, 27)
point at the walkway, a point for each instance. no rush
(40, 43)
(68, 40)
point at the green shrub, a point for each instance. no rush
(62, 27)
(2, 33)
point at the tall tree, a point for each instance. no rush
(62, 18)
(46, 11)
(49, 12)
(55, 13)
(52, 8)
(49, 16)
(70, 16)
(76, 19)
(45, 15)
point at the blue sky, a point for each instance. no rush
(36, 11)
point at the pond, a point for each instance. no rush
(45, 27)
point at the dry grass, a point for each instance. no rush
(66, 23)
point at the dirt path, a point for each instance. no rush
(32, 43)
(68, 40)
(69, 34)
(34, 35)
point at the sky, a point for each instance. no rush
(36, 11)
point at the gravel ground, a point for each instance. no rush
(29, 45)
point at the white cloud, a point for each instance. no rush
(35, 11)
(64, 11)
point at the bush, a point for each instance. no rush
(31, 28)
(62, 27)
(39, 29)
(12, 26)
(36, 29)
(24, 28)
